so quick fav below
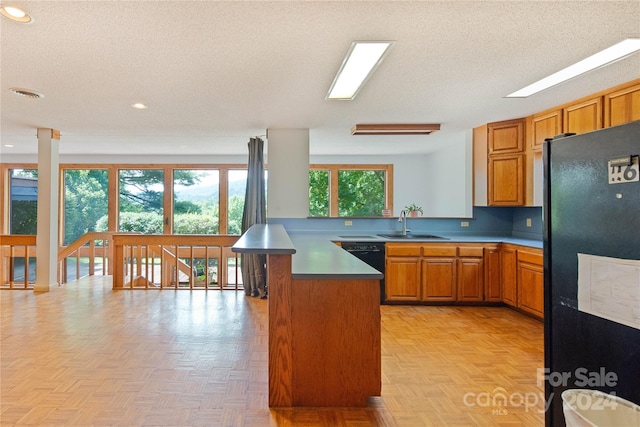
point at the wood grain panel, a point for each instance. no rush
(509, 275)
(506, 137)
(402, 278)
(438, 279)
(506, 180)
(545, 125)
(622, 106)
(280, 330)
(585, 116)
(336, 340)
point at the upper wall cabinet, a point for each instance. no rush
(545, 125)
(622, 106)
(584, 116)
(506, 137)
(499, 152)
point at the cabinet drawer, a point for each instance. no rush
(530, 257)
(402, 250)
(439, 251)
(470, 252)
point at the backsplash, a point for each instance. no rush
(494, 221)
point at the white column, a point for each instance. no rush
(288, 164)
(47, 237)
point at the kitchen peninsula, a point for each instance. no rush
(324, 321)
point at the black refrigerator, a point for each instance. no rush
(591, 218)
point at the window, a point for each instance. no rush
(350, 190)
(141, 200)
(85, 202)
(196, 196)
(24, 201)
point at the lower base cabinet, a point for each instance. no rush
(439, 273)
(436, 272)
(530, 282)
(402, 281)
(509, 274)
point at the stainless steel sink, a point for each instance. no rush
(410, 235)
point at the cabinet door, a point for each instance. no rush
(492, 288)
(583, 117)
(531, 288)
(506, 137)
(545, 125)
(438, 279)
(470, 279)
(509, 276)
(402, 279)
(506, 180)
(622, 106)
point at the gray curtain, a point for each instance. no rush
(252, 265)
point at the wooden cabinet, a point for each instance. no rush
(492, 284)
(434, 272)
(508, 274)
(473, 273)
(470, 279)
(506, 137)
(531, 282)
(583, 116)
(545, 125)
(402, 274)
(499, 163)
(438, 279)
(439, 273)
(622, 106)
(506, 180)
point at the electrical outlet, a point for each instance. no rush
(464, 223)
(528, 222)
(348, 223)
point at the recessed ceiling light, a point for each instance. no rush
(600, 59)
(357, 66)
(15, 14)
(139, 106)
(26, 92)
(8, 145)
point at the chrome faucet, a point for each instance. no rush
(403, 220)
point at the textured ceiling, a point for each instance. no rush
(215, 73)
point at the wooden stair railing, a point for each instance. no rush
(169, 261)
(12, 248)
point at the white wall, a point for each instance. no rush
(288, 185)
(441, 182)
(449, 182)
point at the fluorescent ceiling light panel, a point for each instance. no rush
(357, 67)
(602, 58)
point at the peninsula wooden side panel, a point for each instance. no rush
(336, 341)
(280, 331)
(324, 339)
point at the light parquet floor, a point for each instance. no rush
(85, 355)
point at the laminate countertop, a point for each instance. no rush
(316, 256)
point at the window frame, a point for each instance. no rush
(334, 170)
(113, 191)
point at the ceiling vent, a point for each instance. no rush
(26, 92)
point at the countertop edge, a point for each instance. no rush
(265, 239)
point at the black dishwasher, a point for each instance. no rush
(373, 254)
